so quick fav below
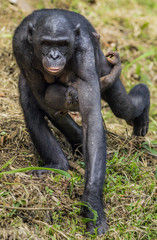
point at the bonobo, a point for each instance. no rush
(59, 47)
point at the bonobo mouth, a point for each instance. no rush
(53, 70)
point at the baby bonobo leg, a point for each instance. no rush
(106, 81)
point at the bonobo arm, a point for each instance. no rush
(94, 142)
(32, 92)
(94, 153)
(40, 133)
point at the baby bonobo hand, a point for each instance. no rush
(71, 98)
(108, 80)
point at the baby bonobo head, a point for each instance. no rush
(61, 98)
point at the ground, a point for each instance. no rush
(49, 207)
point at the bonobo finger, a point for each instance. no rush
(98, 220)
(69, 102)
(39, 173)
(70, 93)
(141, 132)
(113, 57)
(76, 98)
(106, 82)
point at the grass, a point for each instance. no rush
(49, 207)
(131, 192)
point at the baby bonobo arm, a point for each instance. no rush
(108, 80)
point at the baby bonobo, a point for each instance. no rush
(65, 98)
(61, 98)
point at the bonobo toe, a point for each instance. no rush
(141, 123)
(142, 131)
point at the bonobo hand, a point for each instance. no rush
(99, 222)
(108, 80)
(113, 57)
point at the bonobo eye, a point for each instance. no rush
(45, 43)
(63, 44)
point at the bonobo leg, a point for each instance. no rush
(133, 107)
(42, 137)
(71, 130)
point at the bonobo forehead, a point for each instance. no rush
(54, 26)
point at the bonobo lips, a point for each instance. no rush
(54, 70)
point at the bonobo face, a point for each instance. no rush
(55, 53)
(53, 44)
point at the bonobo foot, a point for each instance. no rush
(108, 80)
(100, 222)
(140, 124)
(140, 98)
(39, 173)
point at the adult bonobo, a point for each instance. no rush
(61, 47)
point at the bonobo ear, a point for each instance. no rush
(30, 32)
(77, 30)
(96, 35)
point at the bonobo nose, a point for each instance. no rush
(54, 55)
